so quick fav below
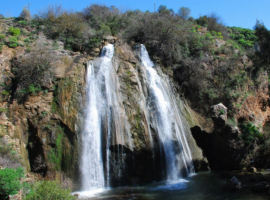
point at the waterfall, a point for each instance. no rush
(167, 120)
(107, 140)
(96, 108)
(105, 123)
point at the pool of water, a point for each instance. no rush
(202, 186)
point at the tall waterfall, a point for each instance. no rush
(108, 145)
(105, 124)
(167, 121)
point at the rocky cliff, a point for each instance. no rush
(45, 125)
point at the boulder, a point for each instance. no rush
(219, 115)
(232, 184)
(262, 186)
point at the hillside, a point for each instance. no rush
(43, 65)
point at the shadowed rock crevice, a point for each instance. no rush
(36, 151)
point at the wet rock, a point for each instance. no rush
(252, 169)
(232, 184)
(260, 187)
(110, 39)
(219, 114)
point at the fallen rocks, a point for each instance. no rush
(232, 184)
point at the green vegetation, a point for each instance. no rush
(10, 181)
(55, 154)
(14, 31)
(244, 37)
(48, 190)
(13, 42)
(23, 22)
(31, 89)
(250, 133)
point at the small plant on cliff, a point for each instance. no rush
(10, 181)
(13, 42)
(14, 31)
(55, 155)
(250, 133)
(48, 190)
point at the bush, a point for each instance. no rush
(10, 181)
(25, 14)
(49, 190)
(14, 31)
(13, 42)
(34, 71)
(23, 22)
(8, 157)
(213, 23)
(250, 133)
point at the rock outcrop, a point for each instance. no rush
(219, 115)
(232, 184)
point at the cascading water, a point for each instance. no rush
(92, 164)
(105, 123)
(166, 119)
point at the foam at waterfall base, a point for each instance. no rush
(90, 193)
(172, 185)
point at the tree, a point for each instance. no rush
(164, 10)
(25, 14)
(264, 43)
(213, 22)
(184, 12)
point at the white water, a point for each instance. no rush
(92, 164)
(167, 121)
(105, 123)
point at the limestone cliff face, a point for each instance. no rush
(142, 160)
(46, 123)
(221, 139)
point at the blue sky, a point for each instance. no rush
(241, 13)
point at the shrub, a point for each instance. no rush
(48, 190)
(250, 133)
(34, 72)
(13, 42)
(25, 14)
(10, 181)
(23, 22)
(8, 158)
(14, 31)
(28, 50)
